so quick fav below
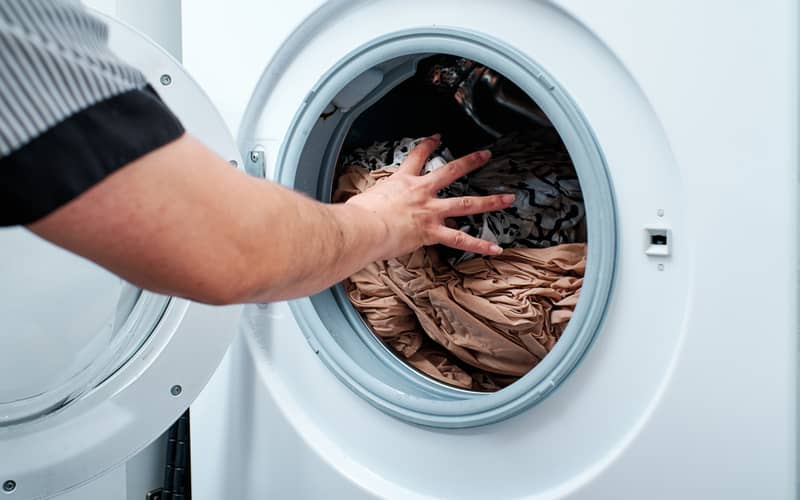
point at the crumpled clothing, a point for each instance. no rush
(479, 325)
(392, 153)
(548, 208)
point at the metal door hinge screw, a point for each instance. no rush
(255, 156)
(9, 486)
(176, 390)
(165, 79)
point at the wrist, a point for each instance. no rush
(363, 231)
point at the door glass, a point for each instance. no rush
(68, 325)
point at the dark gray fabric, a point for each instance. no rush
(75, 154)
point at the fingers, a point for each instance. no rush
(419, 155)
(462, 241)
(469, 205)
(446, 175)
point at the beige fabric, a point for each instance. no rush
(479, 325)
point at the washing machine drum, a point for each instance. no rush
(93, 367)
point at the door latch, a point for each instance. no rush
(658, 241)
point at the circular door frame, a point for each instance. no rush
(117, 419)
(453, 408)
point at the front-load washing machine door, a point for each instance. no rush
(93, 368)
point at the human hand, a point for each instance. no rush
(406, 203)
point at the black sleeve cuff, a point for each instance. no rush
(80, 151)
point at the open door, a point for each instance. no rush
(93, 368)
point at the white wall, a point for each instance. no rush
(158, 19)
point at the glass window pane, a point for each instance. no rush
(68, 325)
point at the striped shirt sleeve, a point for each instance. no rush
(71, 112)
(54, 61)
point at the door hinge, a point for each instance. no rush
(256, 164)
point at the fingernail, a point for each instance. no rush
(508, 198)
(496, 249)
(485, 154)
(436, 137)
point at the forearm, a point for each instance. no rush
(181, 221)
(313, 246)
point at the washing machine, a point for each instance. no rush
(676, 376)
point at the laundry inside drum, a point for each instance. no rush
(468, 321)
